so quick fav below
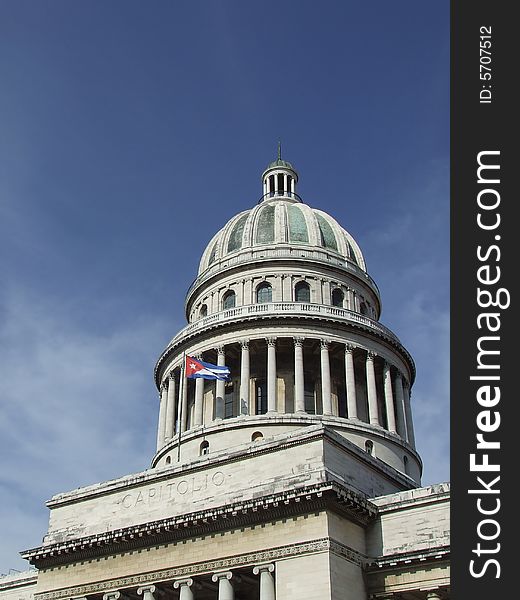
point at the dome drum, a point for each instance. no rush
(325, 287)
(293, 373)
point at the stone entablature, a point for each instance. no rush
(309, 458)
(318, 497)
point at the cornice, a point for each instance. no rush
(326, 495)
(392, 561)
(246, 317)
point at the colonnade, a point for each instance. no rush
(219, 585)
(392, 411)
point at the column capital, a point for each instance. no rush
(349, 347)
(114, 595)
(387, 365)
(244, 344)
(269, 567)
(432, 595)
(298, 341)
(271, 341)
(371, 355)
(188, 581)
(151, 589)
(221, 575)
(220, 350)
(325, 343)
(171, 375)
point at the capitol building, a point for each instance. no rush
(295, 479)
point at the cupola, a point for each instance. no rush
(279, 180)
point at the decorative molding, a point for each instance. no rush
(187, 572)
(441, 553)
(228, 517)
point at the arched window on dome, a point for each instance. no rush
(213, 254)
(328, 239)
(265, 226)
(264, 293)
(297, 225)
(351, 253)
(363, 308)
(169, 460)
(235, 237)
(302, 292)
(204, 448)
(406, 465)
(229, 300)
(369, 447)
(337, 298)
(203, 311)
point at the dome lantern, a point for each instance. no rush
(279, 180)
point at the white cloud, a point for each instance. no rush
(77, 407)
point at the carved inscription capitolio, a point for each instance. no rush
(171, 491)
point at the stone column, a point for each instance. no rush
(147, 592)
(408, 414)
(389, 399)
(267, 588)
(299, 384)
(220, 385)
(326, 292)
(199, 402)
(285, 187)
(162, 417)
(350, 299)
(350, 382)
(275, 183)
(244, 379)
(326, 398)
(399, 404)
(184, 405)
(373, 412)
(170, 409)
(241, 299)
(225, 587)
(184, 585)
(271, 375)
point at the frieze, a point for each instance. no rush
(243, 560)
(168, 492)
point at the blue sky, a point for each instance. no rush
(131, 132)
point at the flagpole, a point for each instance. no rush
(181, 402)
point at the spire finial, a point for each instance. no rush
(279, 150)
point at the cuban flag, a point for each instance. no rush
(199, 369)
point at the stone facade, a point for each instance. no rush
(297, 477)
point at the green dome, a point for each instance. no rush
(280, 163)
